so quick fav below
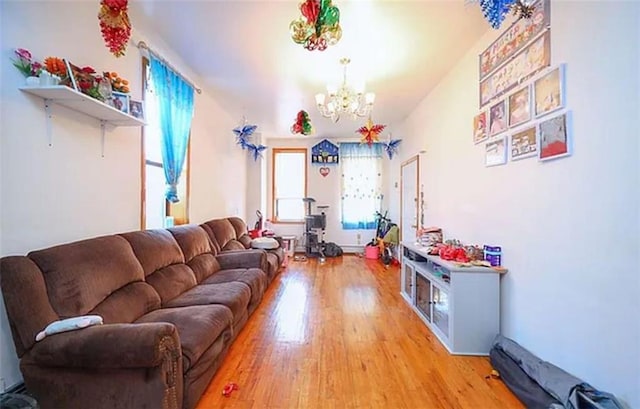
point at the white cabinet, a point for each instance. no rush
(461, 305)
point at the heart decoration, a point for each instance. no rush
(324, 171)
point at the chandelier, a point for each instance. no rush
(345, 99)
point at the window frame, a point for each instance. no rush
(274, 153)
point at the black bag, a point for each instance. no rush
(332, 250)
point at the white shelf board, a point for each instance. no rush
(70, 98)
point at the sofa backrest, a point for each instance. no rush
(197, 250)
(96, 276)
(223, 235)
(162, 262)
(242, 232)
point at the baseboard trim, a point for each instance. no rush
(351, 249)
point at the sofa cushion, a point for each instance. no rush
(80, 275)
(224, 234)
(203, 266)
(198, 327)
(155, 249)
(242, 233)
(128, 303)
(192, 239)
(255, 278)
(235, 296)
(171, 281)
(264, 243)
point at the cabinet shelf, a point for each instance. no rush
(70, 98)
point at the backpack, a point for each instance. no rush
(332, 250)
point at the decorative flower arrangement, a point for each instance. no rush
(55, 66)
(318, 27)
(117, 84)
(25, 64)
(115, 25)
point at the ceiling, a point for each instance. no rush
(243, 52)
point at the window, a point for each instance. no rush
(289, 184)
(156, 211)
(361, 184)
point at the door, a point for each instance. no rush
(408, 276)
(409, 174)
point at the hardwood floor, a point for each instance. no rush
(339, 335)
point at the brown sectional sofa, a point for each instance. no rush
(172, 302)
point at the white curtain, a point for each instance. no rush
(361, 184)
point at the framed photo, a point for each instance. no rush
(480, 127)
(120, 101)
(549, 92)
(72, 71)
(136, 109)
(497, 118)
(527, 63)
(520, 106)
(524, 144)
(554, 138)
(496, 152)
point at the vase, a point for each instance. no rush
(32, 81)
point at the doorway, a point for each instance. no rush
(409, 183)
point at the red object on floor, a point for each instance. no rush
(372, 252)
(228, 388)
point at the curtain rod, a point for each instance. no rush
(143, 45)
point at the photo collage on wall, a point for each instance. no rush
(522, 98)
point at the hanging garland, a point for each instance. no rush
(370, 132)
(303, 124)
(115, 25)
(318, 27)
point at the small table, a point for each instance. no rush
(289, 245)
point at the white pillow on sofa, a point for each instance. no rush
(69, 324)
(264, 243)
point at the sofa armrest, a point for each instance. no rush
(143, 345)
(243, 259)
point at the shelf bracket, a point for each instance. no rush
(48, 116)
(103, 124)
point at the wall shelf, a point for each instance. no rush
(70, 98)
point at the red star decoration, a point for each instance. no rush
(370, 132)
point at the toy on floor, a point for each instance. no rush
(228, 388)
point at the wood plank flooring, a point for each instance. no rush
(339, 335)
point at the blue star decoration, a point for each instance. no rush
(242, 133)
(256, 151)
(391, 147)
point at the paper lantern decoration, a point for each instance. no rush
(243, 133)
(318, 27)
(303, 124)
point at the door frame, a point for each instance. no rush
(416, 159)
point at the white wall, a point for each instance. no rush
(325, 190)
(52, 195)
(569, 228)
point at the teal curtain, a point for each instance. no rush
(361, 184)
(175, 108)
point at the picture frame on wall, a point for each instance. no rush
(554, 138)
(524, 144)
(520, 106)
(548, 92)
(497, 118)
(495, 152)
(532, 59)
(480, 133)
(514, 38)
